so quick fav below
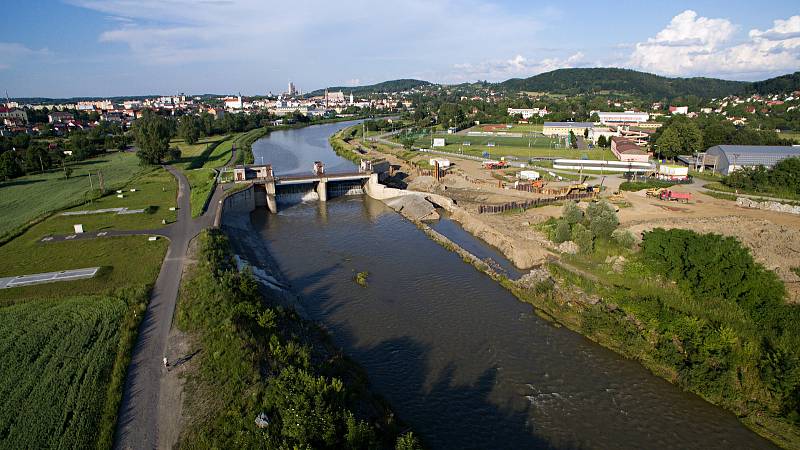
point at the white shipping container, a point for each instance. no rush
(673, 171)
(529, 175)
(443, 163)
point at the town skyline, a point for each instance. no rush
(115, 49)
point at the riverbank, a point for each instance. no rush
(288, 372)
(587, 300)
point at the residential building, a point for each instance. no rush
(678, 109)
(13, 114)
(527, 113)
(59, 116)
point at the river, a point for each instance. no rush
(460, 359)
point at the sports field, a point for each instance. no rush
(498, 146)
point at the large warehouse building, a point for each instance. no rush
(725, 159)
(563, 128)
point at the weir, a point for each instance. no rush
(316, 186)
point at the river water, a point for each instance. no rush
(459, 358)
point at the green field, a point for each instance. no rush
(62, 365)
(25, 199)
(125, 261)
(540, 146)
(791, 135)
(155, 192)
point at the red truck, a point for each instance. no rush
(494, 164)
(670, 195)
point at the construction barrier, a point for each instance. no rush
(542, 190)
(511, 206)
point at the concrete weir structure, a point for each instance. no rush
(317, 185)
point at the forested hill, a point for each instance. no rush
(778, 85)
(646, 85)
(387, 86)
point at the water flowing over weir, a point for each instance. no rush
(460, 359)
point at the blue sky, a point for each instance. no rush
(59, 48)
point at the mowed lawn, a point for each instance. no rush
(124, 261)
(62, 365)
(198, 161)
(155, 192)
(540, 146)
(26, 198)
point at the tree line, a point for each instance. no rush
(681, 135)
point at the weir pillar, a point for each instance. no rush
(272, 204)
(322, 189)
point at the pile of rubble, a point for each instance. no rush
(745, 202)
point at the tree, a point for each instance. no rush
(602, 219)
(189, 129)
(601, 141)
(668, 145)
(562, 232)
(583, 238)
(624, 238)
(585, 133)
(572, 213)
(152, 134)
(9, 166)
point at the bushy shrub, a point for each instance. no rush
(562, 232)
(572, 213)
(624, 238)
(602, 219)
(583, 237)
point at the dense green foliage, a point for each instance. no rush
(386, 86)
(783, 84)
(589, 80)
(152, 133)
(734, 339)
(63, 365)
(20, 155)
(265, 359)
(782, 179)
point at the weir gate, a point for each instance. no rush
(318, 185)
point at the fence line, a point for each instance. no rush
(510, 206)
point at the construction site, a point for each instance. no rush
(501, 202)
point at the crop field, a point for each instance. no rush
(26, 198)
(124, 261)
(61, 367)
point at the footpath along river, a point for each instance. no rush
(460, 359)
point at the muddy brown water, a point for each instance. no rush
(460, 359)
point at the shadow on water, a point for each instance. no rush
(408, 359)
(434, 401)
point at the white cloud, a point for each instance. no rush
(691, 45)
(12, 52)
(518, 66)
(181, 31)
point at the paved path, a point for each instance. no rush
(137, 424)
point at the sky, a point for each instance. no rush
(65, 48)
